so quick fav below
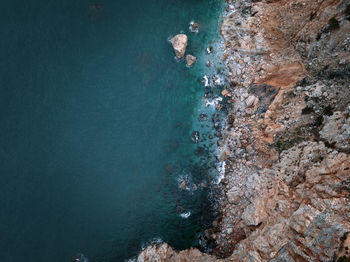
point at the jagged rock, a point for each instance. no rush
(179, 43)
(287, 197)
(336, 130)
(164, 253)
(254, 213)
(190, 60)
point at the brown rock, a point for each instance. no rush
(183, 185)
(224, 92)
(190, 60)
(179, 43)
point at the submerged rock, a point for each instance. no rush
(195, 137)
(209, 49)
(80, 258)
(203, 117)
(190, 60)
(194, 27)
(179, 43)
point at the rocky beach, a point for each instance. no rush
(285, 140)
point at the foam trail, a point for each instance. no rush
(206, 81)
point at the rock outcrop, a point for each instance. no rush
(164, 253)
(190, 60)
(179, 43)
(286, 147)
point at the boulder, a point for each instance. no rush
(224, 92)
(250, 101)
(190, 60)
(179, 43)
(194, 27)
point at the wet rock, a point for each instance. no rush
(195, 137)
(179, 43)
(217, 80)
(209, 49)
(190, 60)
(224, 92)
(183, 185)
(164, 253)
(203, 117)
(194, 27)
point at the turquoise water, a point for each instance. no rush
(96, 119)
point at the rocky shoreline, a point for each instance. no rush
(286, 143)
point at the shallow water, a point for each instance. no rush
(97, 117)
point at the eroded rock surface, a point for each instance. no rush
(179, 43)
(190, 60)
(286, 191)
(164, 253)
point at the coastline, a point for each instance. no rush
(285, 145)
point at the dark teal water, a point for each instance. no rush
(96, 117)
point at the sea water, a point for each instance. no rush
(96, 122)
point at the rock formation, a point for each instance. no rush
(286, 191)
(164, 253)
(179, 43)
(194, 27)
(190, 60)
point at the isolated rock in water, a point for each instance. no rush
(209, 49)
(179, 43)
(190, 60)
(224, 92)
(183, 185)
(195, 137)
(194, 27)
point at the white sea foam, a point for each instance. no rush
(220, 167)
(206, 80)
(218, 80)
(155, 240)
(185, 177)
(185, 215)
(213, 102)
(192, 29)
